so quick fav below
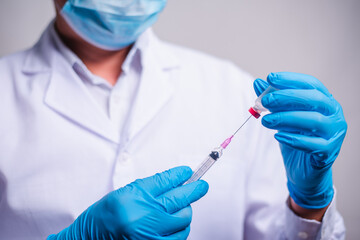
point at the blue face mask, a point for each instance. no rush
(111, 24)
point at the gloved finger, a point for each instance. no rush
(163, 182)
(183, 196)
(181, 235)
(311, 123)
(324, 151)
(175, 222)
(290, 80)
(260, 86)
(299, 100)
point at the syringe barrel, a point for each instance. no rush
(201, 170)
(205, 165)
(258, 108)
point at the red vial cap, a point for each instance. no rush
(254, 113)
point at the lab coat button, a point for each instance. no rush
(116, 99)
(124, 157)
(303, 235)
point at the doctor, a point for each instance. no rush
(99, 102)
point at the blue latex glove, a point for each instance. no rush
(311, 128)
(157, 207)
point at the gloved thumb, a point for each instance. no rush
(165, 181)
(260, 86)
(181, 197)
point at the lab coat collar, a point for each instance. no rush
(38, 58)
(71, 99)
(157, 50)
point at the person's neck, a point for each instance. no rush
(103, 63)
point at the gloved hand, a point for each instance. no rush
(157, 207)
(311, 128)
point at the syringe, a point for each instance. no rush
(216, 153)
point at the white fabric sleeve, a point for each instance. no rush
(332, 226)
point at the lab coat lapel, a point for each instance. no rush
(154, 92)
(156, 86)
(66, 94)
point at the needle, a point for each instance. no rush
(242, 125)
(228, 140)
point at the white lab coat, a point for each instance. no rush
(59, 153)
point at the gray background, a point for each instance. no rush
(318, 37)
